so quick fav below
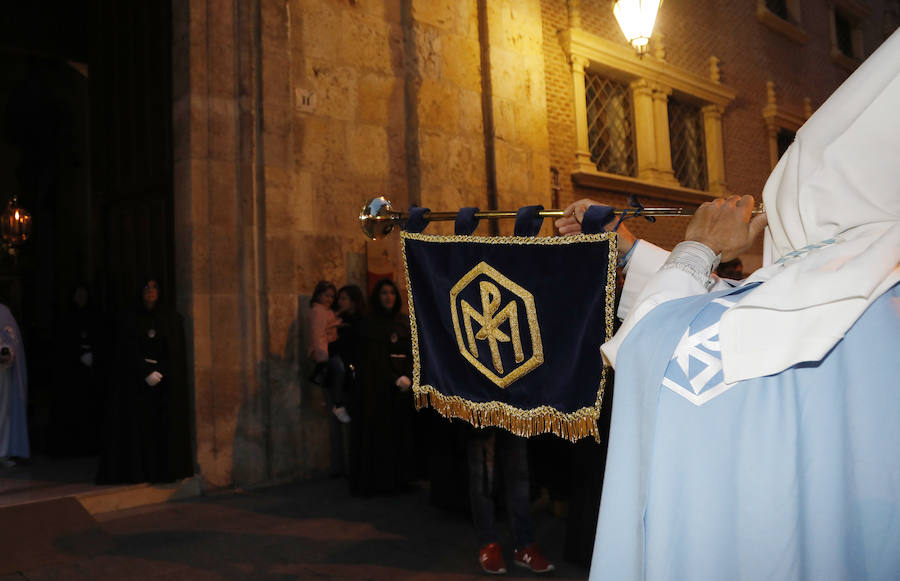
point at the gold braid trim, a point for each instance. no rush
(540, 420)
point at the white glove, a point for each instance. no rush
(403, 383)
(153, 378)
(87, 359)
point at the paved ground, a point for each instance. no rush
(310, 530)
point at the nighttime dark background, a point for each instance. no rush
(85, 144)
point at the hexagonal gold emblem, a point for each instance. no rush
(489, 320)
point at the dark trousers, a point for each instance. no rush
(486, 450)
(331, 375)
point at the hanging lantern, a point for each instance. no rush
(15, 224)
(636, 19)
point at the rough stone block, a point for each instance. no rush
(320, 144)
(335, 88)
(229, 342)
(396, 159)
(531, 127)
(512, 79)
(199, 126)
(319, 257)
(369, 151)
(516, 25)
(540, 178)
(287, 203)
(438, 106)
(471, 116)
(222, 193)
(513, 169)
(387, 11)
(319, 22)
(427, 58)
(381, 100)
(461, 59)
(224, 261)
(438, 13)
(433, 149)
(465, 161)
(371, 44)
(200, 266)
(281, 273)
(202, 345)
(504, 120)
(283, 324)
(222, 128)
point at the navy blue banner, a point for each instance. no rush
(507, 330)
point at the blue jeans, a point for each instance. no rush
(485, 450)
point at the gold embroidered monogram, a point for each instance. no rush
(489, 320)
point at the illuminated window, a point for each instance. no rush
(610, 125)
(622, 120)
(687, 143)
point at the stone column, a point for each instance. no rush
(715, 160)
(220, 185)
(644, 129)
(582, 147)
(664, 173)
(574, 9)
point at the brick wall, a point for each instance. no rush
(749, 53)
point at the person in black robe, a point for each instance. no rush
(148, 419)
(382, 428)
(76, 409)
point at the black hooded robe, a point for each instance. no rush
(382, 429)
(147, 428)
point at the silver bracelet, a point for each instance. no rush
(696, 259)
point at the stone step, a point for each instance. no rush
(132, 496)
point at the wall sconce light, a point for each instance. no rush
(636, 19)
(15, 225)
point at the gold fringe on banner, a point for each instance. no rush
(540, 420)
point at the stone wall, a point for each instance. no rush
(289, 114)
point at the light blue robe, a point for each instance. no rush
(791, 476)
(13, 391)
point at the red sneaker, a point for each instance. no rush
(531, 558)
(491, 560)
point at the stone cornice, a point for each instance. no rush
(606, 55)
(854, 7)
(776, 117)
(779, 25)
(628, 185)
